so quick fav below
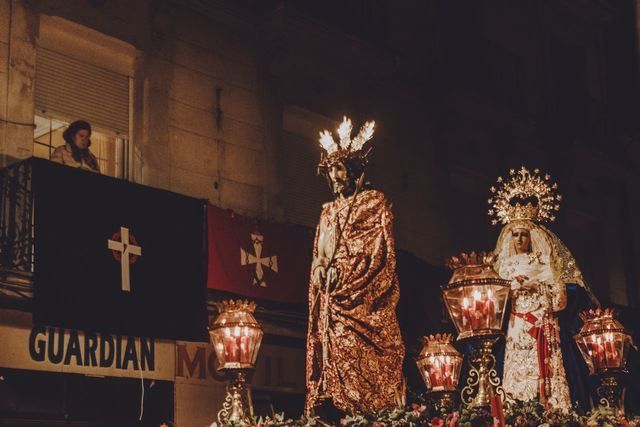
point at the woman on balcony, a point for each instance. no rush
(75, 152)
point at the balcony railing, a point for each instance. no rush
(16, 231)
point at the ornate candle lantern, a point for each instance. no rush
(604, 345)
(476, 298)
(439, 364)
(236, 337)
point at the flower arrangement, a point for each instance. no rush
(517, 414)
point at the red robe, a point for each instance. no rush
(361, 368)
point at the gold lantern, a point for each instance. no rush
(476, 297)
(236, 337)
(439, 364)
(604, 345)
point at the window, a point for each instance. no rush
(108, 149)
(82, 74)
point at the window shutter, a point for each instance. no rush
(75, 90)
(303, 192)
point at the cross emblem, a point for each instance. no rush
(123, 249)
(270, 262)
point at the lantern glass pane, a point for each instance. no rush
(236, 337)
(439, 363)
(586, 352)
(603, 341)
(440, 372)
(477, 308)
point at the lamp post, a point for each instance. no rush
(475, 298)
(604, 345)
(236, 337)
(439, 364)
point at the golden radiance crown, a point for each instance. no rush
(345, 147)
(524, 195)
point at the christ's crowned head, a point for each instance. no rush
(343, 163)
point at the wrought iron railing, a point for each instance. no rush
(16, 230)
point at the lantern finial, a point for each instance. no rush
(471, 259)
(230, 306)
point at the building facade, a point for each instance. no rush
(223, 100)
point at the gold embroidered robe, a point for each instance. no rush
(354, 347)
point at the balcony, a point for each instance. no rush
(16, 233)
(91, 252)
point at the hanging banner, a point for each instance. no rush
(115, 256)
(258, 259)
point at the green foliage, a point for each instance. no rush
(517, 414)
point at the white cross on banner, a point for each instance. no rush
(126, 248)
(248, 259)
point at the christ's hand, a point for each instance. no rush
(319, 276)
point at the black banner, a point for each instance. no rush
(117, 257)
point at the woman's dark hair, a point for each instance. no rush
(69, 136)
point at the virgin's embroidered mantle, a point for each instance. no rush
(533, 367)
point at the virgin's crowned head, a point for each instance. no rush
(524, 195)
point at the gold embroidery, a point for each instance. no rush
(354, 347)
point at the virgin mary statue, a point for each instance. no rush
(540, 266)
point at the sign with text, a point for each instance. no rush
(278, 368)
(45, 348)
(200, 388)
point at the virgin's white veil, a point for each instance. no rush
(543, 241)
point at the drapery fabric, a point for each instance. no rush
(354, 347)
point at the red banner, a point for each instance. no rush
(258, 259)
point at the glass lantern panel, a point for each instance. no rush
(586, 352)
(440, 372)
(424, 371)
(257, 340)
(236, 346)
(614, 349)
(476, 308)
(218, 347)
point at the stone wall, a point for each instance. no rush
(212, 83)
(188, 66)
(17, 67)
